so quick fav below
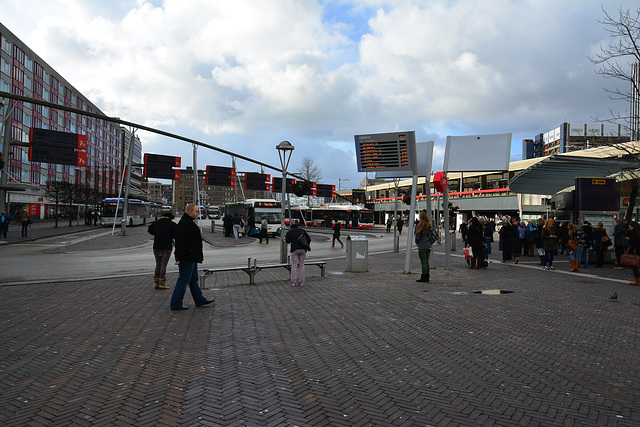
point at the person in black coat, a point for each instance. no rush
(188, 255)
(475, 239)
(509, 236)
(634, 248)
(163, 231)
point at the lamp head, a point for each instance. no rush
(285, 146)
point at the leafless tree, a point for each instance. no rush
(58, 192)
(310, 170)
(618, 59)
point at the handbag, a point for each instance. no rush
(468, 253)
(605, 242)
(630, 260)
(572, 244)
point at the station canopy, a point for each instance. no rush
(555, 173)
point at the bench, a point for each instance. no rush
(253, 268)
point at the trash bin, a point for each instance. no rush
(452, 240)
(357, 254)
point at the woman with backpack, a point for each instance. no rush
(424, 238)
(300, 241)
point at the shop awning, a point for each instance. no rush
(557, 172)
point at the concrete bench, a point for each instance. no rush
(253, 268)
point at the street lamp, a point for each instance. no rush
(285, 150)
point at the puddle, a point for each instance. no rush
(493, 292)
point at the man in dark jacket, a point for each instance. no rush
(188, 255)
(164, 231)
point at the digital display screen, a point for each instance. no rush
(386, 151)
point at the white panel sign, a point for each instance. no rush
(576, 129)
(594, 129)
(476, 153)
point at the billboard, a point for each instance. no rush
(392, 151)
(62, 148)
(478, 153)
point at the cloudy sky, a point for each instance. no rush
(244, 75)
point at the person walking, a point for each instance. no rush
(264, 225)
(530, 237)
(538, 241)
(23, 217)
(4, 224)
(400, 224)
(576, 233)
(598, 233)
(634, 248)
(298, 253)
(522, 249)
(588, 242)
(389, 224)
(508, 236)
(188, 255)
(336, 235)
(424, 240)
(619, 234)
(549, 243)
(488, 235)
(164, 232)
(236, 222)
(475, 239)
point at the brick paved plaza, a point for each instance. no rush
(351, 349)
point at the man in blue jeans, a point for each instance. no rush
(188, 254)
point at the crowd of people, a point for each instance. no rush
(547, 238)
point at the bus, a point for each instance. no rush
(259, 208)
(214, 212)
(350, 216)
(139, 212)
(302, 214)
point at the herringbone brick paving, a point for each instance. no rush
(350, 349)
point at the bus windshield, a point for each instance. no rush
(273, 215)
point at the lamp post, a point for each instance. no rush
(285, 150)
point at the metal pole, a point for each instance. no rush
(283, 148)
(6, 141)
(394, 223)
(125, 206)
(447, 238)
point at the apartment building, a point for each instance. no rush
(23, 72)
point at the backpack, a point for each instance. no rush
(433, 235)
(304, 241)
(3, 219)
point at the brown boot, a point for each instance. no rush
(573, 265)
(161, 283)
(636, 283)
(156, 281)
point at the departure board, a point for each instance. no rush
(393, 151)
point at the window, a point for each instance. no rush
(28, 83)
(4, 86)
(28, 63)
(26, 120)
(6, 46)
(5, 67)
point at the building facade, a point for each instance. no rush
(23, 72)
(570, 137)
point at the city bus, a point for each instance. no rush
(139, 212)
(302, 214)
(214, 212)
(259, 208)
(350, 216)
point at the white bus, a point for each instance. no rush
(139, 212)
(259, 208)
(350, 216)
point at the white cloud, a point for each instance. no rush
(244, 75)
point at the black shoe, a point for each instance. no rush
(180, 308)
(205, 303)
